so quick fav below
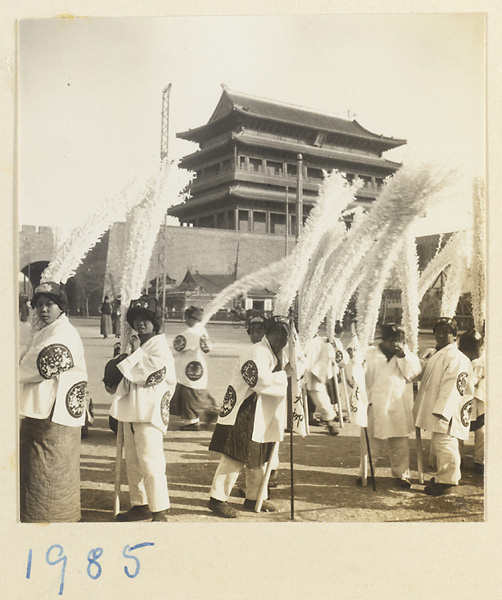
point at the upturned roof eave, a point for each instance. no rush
(193, 135)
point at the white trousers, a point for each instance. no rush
(323, 404)
(399, 453)
(226, 475)
(146, 465)
(479, 446)
(446, 449)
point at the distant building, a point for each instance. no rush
(199, 290)
(246, 165)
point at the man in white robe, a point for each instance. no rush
(444, 403)
(318, 371)
(389, 367)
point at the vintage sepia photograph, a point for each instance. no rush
(251, 279)
(211, 228)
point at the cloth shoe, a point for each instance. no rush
(222, 509)
(437, 489)
(191, 427)
(332, 430)
(265, 507)
(161, 515)
(479, 468)
(403, 483)
(140, 512)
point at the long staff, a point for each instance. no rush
(291, 469)
(336, 393)
(262, 492)
(118, 467)
(345, 392)
(369, 457)
(418, 440)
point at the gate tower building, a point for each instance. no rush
(246, 166)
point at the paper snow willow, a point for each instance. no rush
(142, 226)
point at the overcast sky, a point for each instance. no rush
(90, 93)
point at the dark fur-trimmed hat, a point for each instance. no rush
(278, 322)
(390, 331)
(148, 307)
(471, 342)
(257, 322)
(451, 323)
(54, 291)
(194, 312)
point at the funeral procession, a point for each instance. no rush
(257, 329)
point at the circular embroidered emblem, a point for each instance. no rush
(462, 383)
(155, 378)
(338, 356)
(204, 344)
(228, 401)
(53, 360)
(179, 343)
(249, 372)
(75, 399)
(164, 407)
(194, 370)
(465, 413)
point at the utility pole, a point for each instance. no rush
(164, 136)
(164, 150)
(299, 196)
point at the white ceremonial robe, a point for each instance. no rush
(144, 394)
(190, 348)
(53, 374)
(318, 371)
(389, 396)
(342, 358)
(444, 400)
(254, 372)
(319, 364)
(478, 368)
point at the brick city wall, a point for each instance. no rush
(35, 244)
(208, 251)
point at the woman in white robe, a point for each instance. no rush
(53, 379)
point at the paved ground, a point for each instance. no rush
(325, 467)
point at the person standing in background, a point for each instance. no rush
(191, 400)
(116, 315)
(106, 318)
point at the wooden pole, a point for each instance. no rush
(336, 388)
(418, 441)
(369, 457)
(118, 467)
(291, 470)
(263, 491)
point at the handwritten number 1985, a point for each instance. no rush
(55, 555)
